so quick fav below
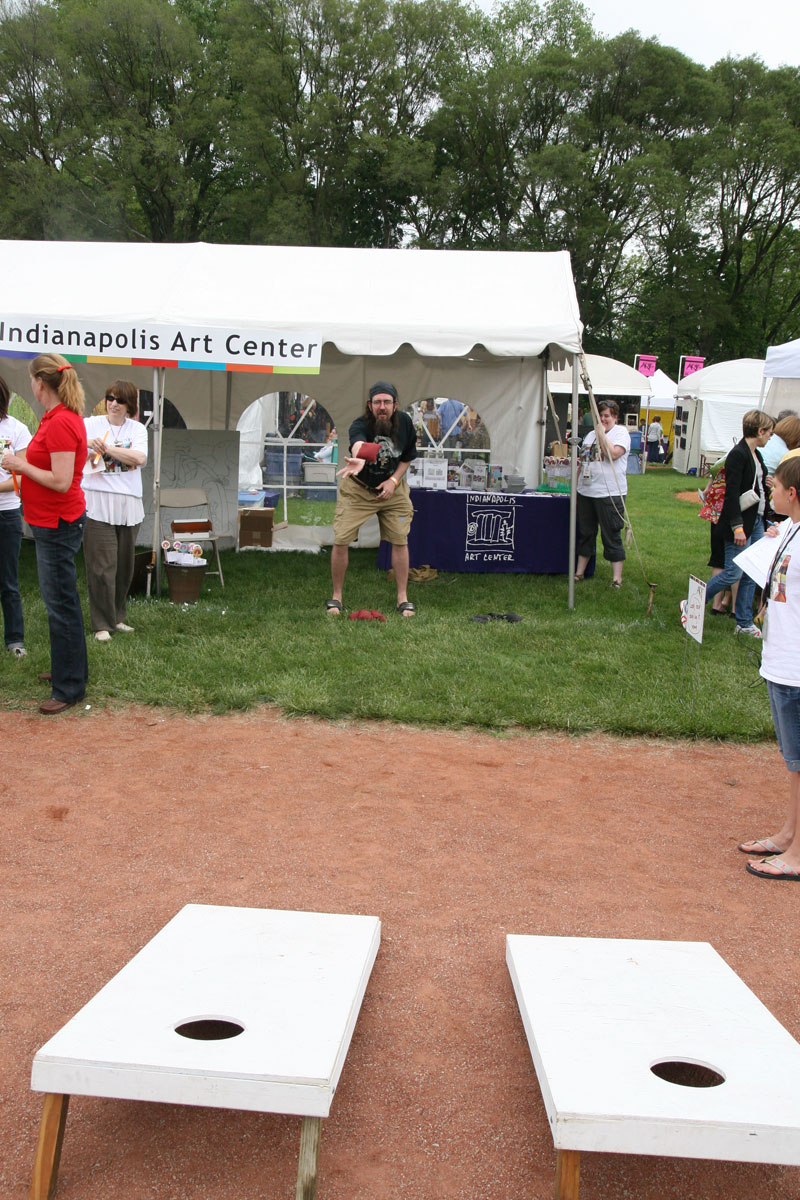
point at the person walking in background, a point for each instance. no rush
(54, 507)
(112, 482)
(655, 432)
(14, 437)
(452, 421)
(742, 518)
(780, 666)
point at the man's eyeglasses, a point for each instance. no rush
(382, 400)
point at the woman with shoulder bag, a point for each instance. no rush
(742, 518)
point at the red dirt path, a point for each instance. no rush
(114, 820)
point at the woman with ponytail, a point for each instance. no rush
(53, 505)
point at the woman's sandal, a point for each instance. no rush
(334, 608)
(579, 578)
(406, 609)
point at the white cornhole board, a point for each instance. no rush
(599, 1013)
(293, 981)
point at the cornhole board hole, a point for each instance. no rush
(242, 1008)
(645, 1047)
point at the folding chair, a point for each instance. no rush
(199, 528)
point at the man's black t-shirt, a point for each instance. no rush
(403, 448)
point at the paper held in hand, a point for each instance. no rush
(756, 559)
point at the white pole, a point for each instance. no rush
(573, 491)
(158, 426)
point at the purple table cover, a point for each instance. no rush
(487, 531)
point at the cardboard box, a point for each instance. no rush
(319, 472)
(255, 528)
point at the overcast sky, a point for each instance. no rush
(706, 30)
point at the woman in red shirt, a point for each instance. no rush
(53, 505)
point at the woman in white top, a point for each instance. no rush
(14, 437)
(602, 482)
(780, 666)
(112, 481)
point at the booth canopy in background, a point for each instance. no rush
(466, 324)
(608, 378)
(709, 410)
(781, 383)
(662, 397)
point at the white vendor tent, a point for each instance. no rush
(608, 378)
(466, 324)
(709, 411)
(662, 394)
(782, 372)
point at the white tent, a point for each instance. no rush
(466, 324)
(608, 378)
(662, 397)
(782, 369)
(709, 410)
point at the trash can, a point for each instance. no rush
(185, 583)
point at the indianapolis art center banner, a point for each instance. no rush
(143, 343)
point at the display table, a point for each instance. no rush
(459, 530)
(647, 1047)
(241, 1008)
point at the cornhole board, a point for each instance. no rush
(600, 1013)
(268, 999)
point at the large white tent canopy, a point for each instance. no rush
(608, 378)
(467, 324)
(782, 372)
(712, 403)
(738, 378)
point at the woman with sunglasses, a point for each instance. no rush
(112, 481)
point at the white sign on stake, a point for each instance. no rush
(696, 608)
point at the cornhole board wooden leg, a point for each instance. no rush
(568, 1173)
(309, 1153)
(48, 1151)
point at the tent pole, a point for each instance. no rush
(644, 436)
(573, 489)
(158, 406)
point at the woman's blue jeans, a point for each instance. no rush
(55, 561)
(732, 574)
(10, 542)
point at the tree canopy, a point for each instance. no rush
(675, 188)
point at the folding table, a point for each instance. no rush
(648, 1047)
(241, 1008)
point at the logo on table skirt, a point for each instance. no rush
(490, 527)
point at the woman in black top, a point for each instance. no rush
(742, 518)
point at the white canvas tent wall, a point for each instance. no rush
(257, 420)
(709, 410)
(782, 373)
(467, 324)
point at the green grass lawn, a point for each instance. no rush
(266, 639)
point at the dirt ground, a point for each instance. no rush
(114, 820)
